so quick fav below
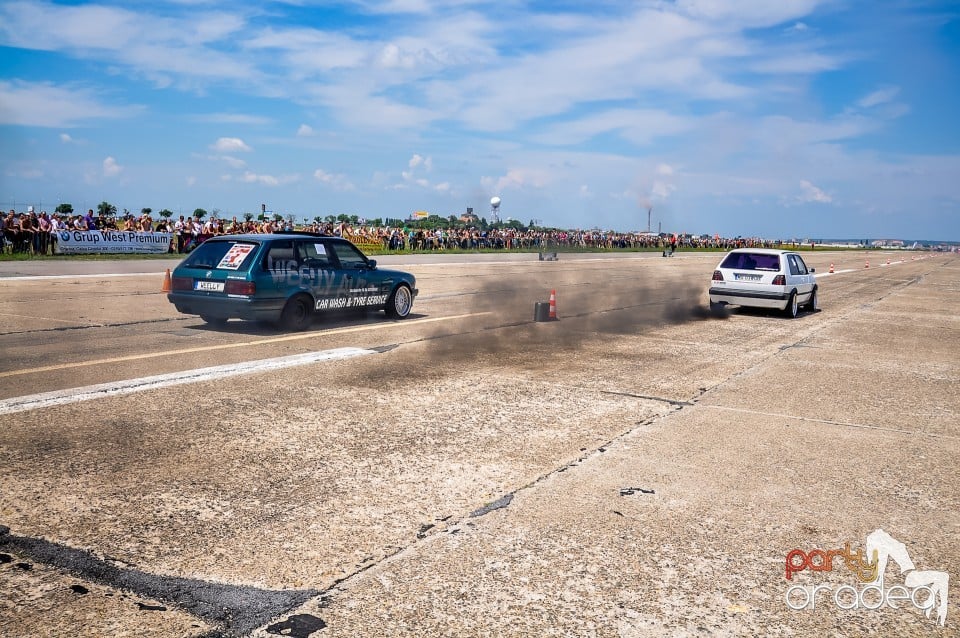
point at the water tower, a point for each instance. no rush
(494, 209)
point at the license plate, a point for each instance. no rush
(740, 277)
(211, 286)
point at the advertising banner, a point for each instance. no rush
(75, 242)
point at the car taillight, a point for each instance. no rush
(238, 287)
(780, 280)
(717, 275)
(182, 283)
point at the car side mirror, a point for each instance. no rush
(813, 270)
(372, 264)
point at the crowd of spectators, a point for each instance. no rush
(35, 233)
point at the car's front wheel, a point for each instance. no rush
(792, 308)
(400, 302)
(297, 313)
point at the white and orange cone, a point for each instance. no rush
(831, 267)
(166, 282)
(553, 305)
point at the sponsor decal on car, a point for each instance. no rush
(350, 302)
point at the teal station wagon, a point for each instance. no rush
(283, 279)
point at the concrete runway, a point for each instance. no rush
(634, 469)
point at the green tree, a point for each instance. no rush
(146, 211)
(277, 217)
(330, 219)
(247, 216)
(354, 219)
(199, 213)
(64, 209)
(106, 208)
(343, 217)
(318, 219)
(376, 222)
(165, 213)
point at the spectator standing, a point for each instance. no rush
(89, 221)
(45, 227)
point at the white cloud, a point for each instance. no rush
(664, 169)
(191, 181)
(65, 138)
(268, 180)
(641, 126)
(880, 96)
(111, 168)
(518, 179)
(230, 145)
(234, 118)
(418, 160)
(336, 181)
(233, 162)
(810, 193)
(305, 130)
(49, 105)
(661, 190)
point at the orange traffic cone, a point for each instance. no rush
(166, 282)
(831, 267)
(888, 261)
(553, 305)
(868, 264)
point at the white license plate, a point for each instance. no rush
(740, 277)
(212, 286)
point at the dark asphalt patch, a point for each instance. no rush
(236, 610)
(297, 626)
(500, 503)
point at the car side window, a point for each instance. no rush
(281, 257)
(349, 256)
(801, 265)
(794, 268)
(314, 254)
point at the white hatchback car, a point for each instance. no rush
(764, 278)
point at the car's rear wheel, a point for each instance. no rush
(400, 302)
(217, 322)
(792, 308)
(814, 304)
(297, 313)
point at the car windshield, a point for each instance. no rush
(221, 255)
(752, 261)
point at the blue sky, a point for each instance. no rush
(793, 118)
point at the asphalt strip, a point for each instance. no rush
(235, 609)
(129, 386)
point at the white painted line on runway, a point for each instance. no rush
(107, 274)
(129, 386)
(239, 344)
(76, 323)
(835, 272)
